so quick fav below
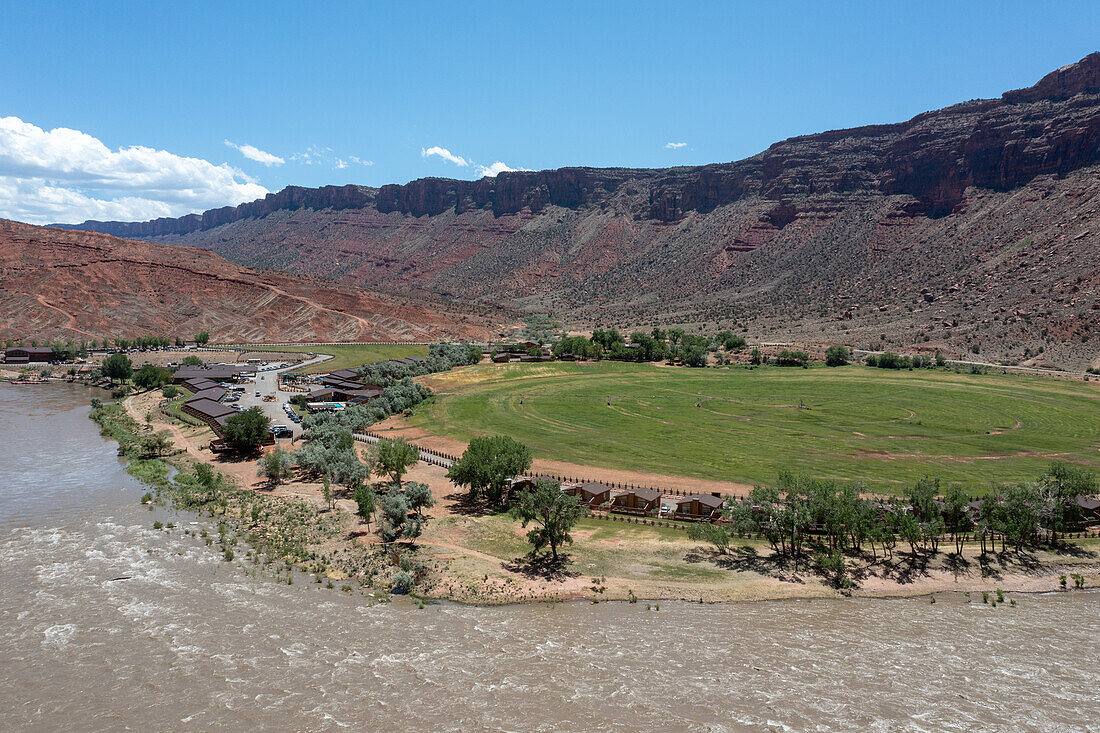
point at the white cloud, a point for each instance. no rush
(445, 154)
(317, 155)
(495, 168)
(64, 175)
(253, 153)
(675, 146)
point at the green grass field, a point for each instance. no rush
(345, 356)
(885, 428)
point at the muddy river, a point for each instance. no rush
(108, 624)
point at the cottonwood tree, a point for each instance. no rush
(276, 466)
(956, 512)
(150, 377)
(487, 464)
(202, 338)
(837, 355)
(117, 367)
(245, 431)
(394, 457)
(419, 496)
(1060, 486)
(553, 511)
(396, 522)
(209, 480)
(155, 445)
(364, 503)
(711, 534)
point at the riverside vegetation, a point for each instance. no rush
(802, 527)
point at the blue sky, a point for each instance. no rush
(362, 93)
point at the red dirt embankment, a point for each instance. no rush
(71, 284)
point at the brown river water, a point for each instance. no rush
(106, 624)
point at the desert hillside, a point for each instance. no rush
(72, 284)
(971, 228)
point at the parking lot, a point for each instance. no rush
(265, 384)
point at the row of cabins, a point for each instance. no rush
(206, 382)
(639, 501)
(520, 352)
(707, 507)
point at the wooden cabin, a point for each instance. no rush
(698, 507)
(637, 501)
(590, 493)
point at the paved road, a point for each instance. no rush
(267, 384)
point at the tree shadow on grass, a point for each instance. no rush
(747, 559)
(541, 566)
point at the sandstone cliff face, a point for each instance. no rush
(1052, 127)
(987, 206)
(67, 284)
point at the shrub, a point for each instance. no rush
(402, 582)
(837, 355)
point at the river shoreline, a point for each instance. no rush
(468, 560)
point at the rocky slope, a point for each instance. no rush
(971, 228)
(71, 284)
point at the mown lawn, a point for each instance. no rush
(882, 427)
(345, 356)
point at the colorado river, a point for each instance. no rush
(108, 624)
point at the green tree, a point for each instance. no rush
(246, 431)
(151, 377)
(328, 494)
(487, 464)
(117, 367)
(202, 338)
(276, 466)
(394, 457)
(209, 480)
(956, 513)
(419, 496)
(1061, 485)
(192, 360)
(711, 534)
(755, 357)
(837, 355)
(154, 445)
(170, 391)
(364, 502)
(553, 511)
(396, 522)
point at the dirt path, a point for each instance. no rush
(70, 319)
(193, 440)
(365, 326)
